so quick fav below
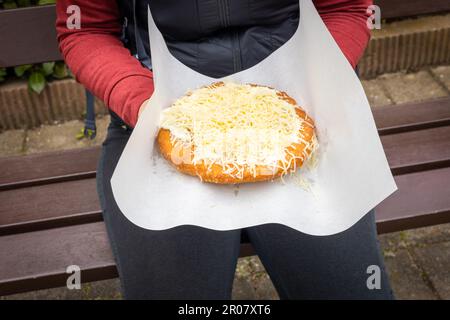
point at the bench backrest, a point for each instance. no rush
(27, 35)
(394, 9)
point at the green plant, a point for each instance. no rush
(3, 74)
(12, 4)
(80, 135)
(38, 74)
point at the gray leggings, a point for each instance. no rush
(190, 262)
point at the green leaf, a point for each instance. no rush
(44, 2)
(60, 71)
(80, 134)
(23, 3)
(48, 67)
(36, 81)
(20, 70)
(9, 5)
(3, 74)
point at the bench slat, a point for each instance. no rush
(418, 150)
(49, 206)
(412, 116)
(39, 259)
(36, 260)
(48, 167)
(422, 199)
(28, 36)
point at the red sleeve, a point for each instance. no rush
(98, 59)
(347, 22)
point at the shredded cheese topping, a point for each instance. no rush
(236, 126)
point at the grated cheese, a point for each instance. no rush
(236, 126)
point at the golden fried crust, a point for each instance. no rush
(215, 173)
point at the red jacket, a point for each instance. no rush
(99, 61)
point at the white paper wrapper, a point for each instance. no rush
(351, 177)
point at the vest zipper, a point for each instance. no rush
(224, 12)
(224, 15)
(237, 61)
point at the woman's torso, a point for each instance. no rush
(213, 37)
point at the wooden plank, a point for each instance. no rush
(418, 150)
(422, 199)
(410, 8)
(49, 206)
(37, 260)
(28, 36)
(412, 116)
(49, 167)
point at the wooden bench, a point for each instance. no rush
(50, 216)
(49, 212)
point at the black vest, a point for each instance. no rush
(213, 37)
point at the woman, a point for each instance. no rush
(109, 55)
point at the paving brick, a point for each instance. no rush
(406, 279)
(258, 287)
(255, 287)
(375, 93)
(435, 260)
(264, 289)
(443, 74)
(415, 237)
(408, 44)
(409, 87)
(391, 242)
(249, 265)
(428, 235)
(11, 142)
(61, 100)
(15, 106)
(63, 136)
(242, 289)
(68, 100)
(252, 281)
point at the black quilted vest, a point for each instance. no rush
(213, 37)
